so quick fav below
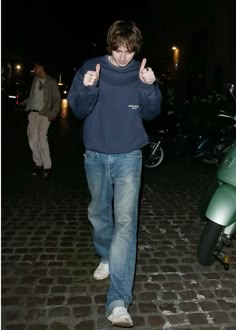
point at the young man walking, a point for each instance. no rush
(113, 94)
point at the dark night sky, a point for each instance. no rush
(64, 33)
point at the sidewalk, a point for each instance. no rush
(47, 251)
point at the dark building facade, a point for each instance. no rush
(221, 65)
(209, 50)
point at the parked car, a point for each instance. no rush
(17, 92)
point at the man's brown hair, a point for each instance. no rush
(124, 33)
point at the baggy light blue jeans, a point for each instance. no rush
(114, 184)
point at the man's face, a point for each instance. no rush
(121, 56)
(37, 69)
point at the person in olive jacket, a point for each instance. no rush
(43, 105)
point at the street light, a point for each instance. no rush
(18, 67)
(175, 57)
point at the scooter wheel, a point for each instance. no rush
(208, 243)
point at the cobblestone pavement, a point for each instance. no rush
(47, 252)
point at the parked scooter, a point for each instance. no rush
(220, 228)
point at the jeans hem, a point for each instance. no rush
(105, 261)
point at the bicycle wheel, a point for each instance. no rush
(153, 153)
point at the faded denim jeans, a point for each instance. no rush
(114, 183)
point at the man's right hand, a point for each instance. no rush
(91, 77)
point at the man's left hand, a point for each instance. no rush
(146, 74)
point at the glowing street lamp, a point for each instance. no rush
(175, 57)
(59, 81)
(18, 67)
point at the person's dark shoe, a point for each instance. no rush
(46, 172)
(37, 170)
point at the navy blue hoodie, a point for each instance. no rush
(114, 109)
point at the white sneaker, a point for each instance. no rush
(120, 317)
(101, 272)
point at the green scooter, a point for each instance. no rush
(220, 229)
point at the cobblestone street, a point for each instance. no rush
(48, 256)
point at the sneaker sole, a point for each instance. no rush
(120, 323)
(123, 325)
(101, 278)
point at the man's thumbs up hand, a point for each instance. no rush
(146, 74)
(91, 77)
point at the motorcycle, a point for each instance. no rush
(173, 141)
(177, 139)
(220, 229)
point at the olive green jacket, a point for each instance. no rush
(52, 98)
